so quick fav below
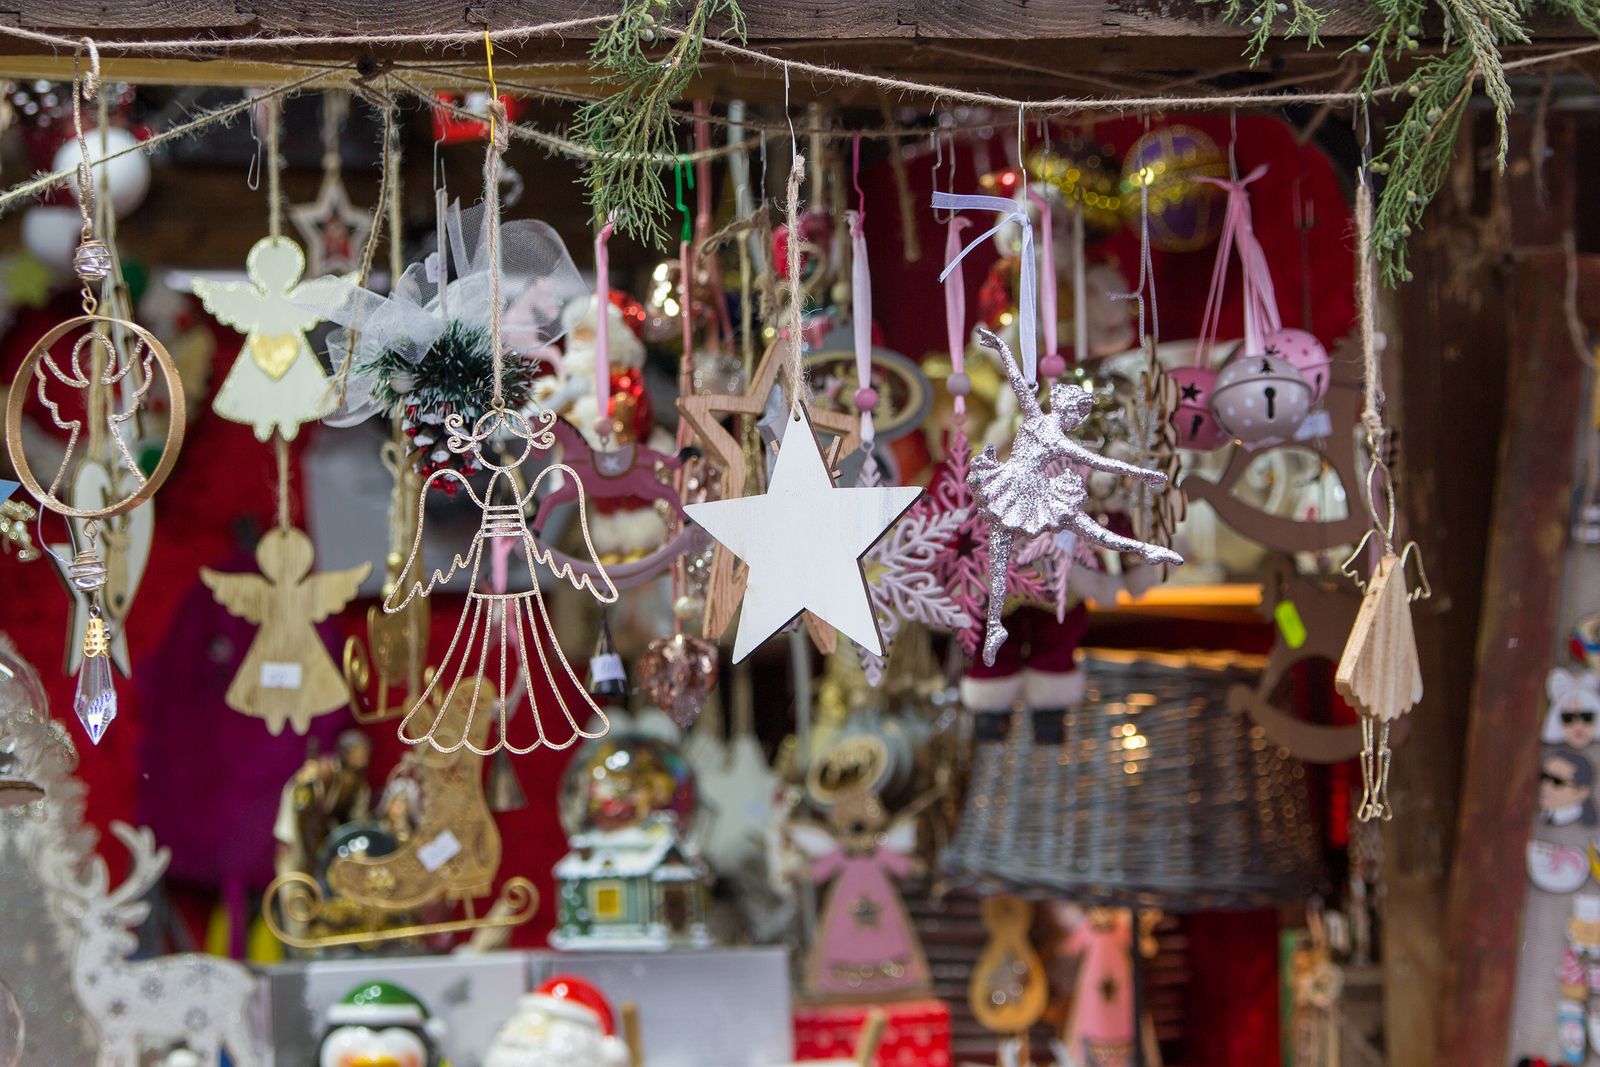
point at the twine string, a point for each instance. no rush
(274, 171)
(499, 141)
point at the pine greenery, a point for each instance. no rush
(631, 132)
(456, 375)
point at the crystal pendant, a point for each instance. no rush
(96, 698)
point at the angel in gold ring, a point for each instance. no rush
(489, 618)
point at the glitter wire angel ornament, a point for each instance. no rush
(1036, 489)
(491, 619)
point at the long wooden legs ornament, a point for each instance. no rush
(99, 387)
(1378, 671)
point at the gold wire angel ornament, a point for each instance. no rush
(287, 675)
(489, 619)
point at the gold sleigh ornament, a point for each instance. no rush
(1379, 673)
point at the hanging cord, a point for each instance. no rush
(283, 480)
(794, 362)
(274, 171)
(388, 206)
(499, 141)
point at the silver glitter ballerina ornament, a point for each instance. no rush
(1039, 488)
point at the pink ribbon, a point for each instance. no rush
(602, 321)
(1047, 276)
(1235, 230)
(861, 313)
(955, 304)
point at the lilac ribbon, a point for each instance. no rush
(1028, 324)
(955, 303)
(861, 314)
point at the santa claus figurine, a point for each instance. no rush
(564, 1023)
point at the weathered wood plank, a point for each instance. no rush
(767, 20)
(1516, 645)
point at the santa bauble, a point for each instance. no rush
(1305, 353)
(1197, 427)
(566, 1023)
(379, 1024)
(1260, 400)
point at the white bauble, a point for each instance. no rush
(127, 177)
(51, 234)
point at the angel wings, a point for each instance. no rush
(277, 381)
(287, 675)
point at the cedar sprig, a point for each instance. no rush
(631, 132)
(1303, 20)
(1416, 157)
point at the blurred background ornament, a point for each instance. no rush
(1185, 212)
(677, 674)
(1083, 172)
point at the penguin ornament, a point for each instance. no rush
(379, 1024)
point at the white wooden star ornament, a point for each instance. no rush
(334, 230)
(803, 541)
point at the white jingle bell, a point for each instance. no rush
(1305, 353)
(1260, 399)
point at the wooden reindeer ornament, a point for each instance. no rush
(287, 675)
(193, 1000)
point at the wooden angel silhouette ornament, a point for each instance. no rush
(287, 675)
(482, 640)
(276, 383)
(1037, 489)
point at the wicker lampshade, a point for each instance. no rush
(1151, 794)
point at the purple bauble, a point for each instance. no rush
(1305, 353)
(1197, 427)
(1185, 213)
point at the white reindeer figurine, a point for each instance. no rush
(200, 1002)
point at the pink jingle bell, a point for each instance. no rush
(1305, 353)
(1197, 428)
(1260, 399)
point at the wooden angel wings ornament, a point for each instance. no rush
(1040, 487)
(276, 383)
(287, 675)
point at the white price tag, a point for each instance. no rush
(440, 851)
(606, 668)
(280, 675)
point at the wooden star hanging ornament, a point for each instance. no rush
(334, 230)
(276, 381)
(287, 676)
(726, 584)
(803, 540)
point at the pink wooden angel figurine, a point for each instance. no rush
(865, 947)
(1038, 489)
(1101, 1030)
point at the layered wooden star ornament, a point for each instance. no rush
(803, 541)
(335, 231)
(704, 413)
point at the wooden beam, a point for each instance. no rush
(1516, 645)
